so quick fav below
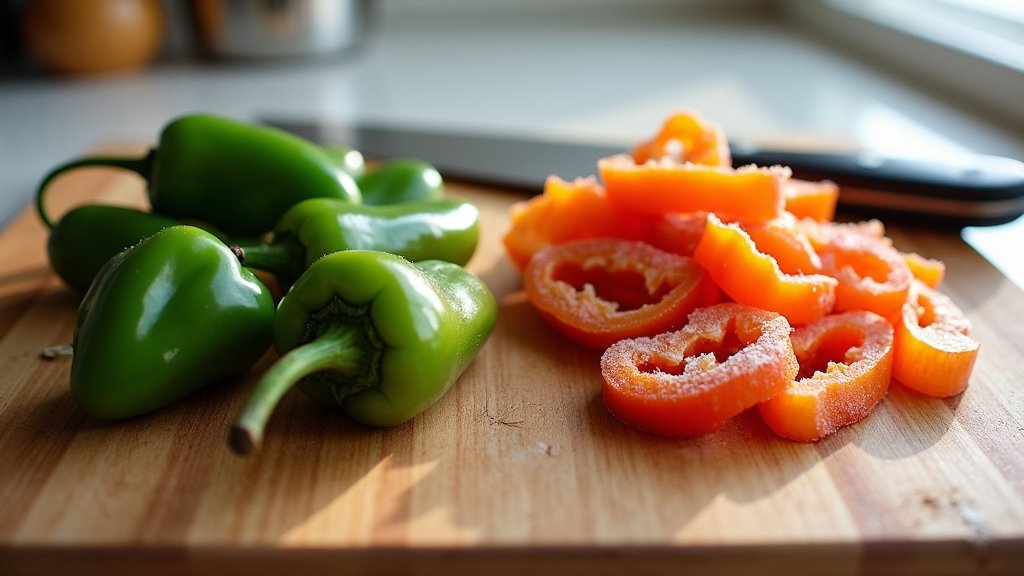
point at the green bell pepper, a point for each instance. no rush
(236, 176)
(164, 318)
(349, 160)
(374, 334)
(400, 180)
(447, 229)
(87, 236)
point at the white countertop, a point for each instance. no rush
(592, 75)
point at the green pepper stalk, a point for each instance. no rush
(374, 334)
(400, 180)
(446, 229)
(172, 314)
(87, 236)
(236, 176)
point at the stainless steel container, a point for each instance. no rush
(277, 28)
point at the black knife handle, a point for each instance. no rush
(973, 190)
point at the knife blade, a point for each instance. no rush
(973, 190)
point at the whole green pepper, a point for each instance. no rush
(446, 229)
(236, 176)
(164, 318)
(87, 236)
(400, 180)
(374, 334)
(348, 159)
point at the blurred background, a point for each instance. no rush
(907, 77)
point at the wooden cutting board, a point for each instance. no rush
(518, 469)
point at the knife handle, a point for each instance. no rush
(972, 190)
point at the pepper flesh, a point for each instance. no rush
(601, 290)
(87, 236)
(236, 176)
(927, 270)
(727, 358)
(400, 180)
(446, 229)
(686, 136)
(845, 366)
(748, 194)
(933, 351)
(753, 278)
(170, 315)
(871, 274)
(566, 211)
(807, 199)
(374, 334)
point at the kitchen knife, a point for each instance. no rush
(973, 190)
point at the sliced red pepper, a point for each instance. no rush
(601, 290)
(566, 211)
(753, 278)
(748, 194)
(686, 137)
(845, 367)
(933, 352)
(727, 358)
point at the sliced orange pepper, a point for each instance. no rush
(845, 367)
(790, 247)
(750, 277)
(821, 234)
(933, 352)
(872, 275)
(686, 136)
(566, 211)
(927, 270)
(677, 233)
(601, 290)
(748, 194)
(814, 200)
(727, 358)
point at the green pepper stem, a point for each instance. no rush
(335, 349)
(280, 259)
(140, 165)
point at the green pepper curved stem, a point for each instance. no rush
(279, 258)
(336, 349)
(140, 165)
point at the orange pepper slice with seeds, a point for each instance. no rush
(933, 352)
(845, 367)
(751, 277)
(565, 211)
(749, 194)
(727, 358)
(601, 290)
(686, 136)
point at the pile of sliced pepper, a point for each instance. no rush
(714, 289)
(378, 317)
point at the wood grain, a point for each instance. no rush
(519, 468)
